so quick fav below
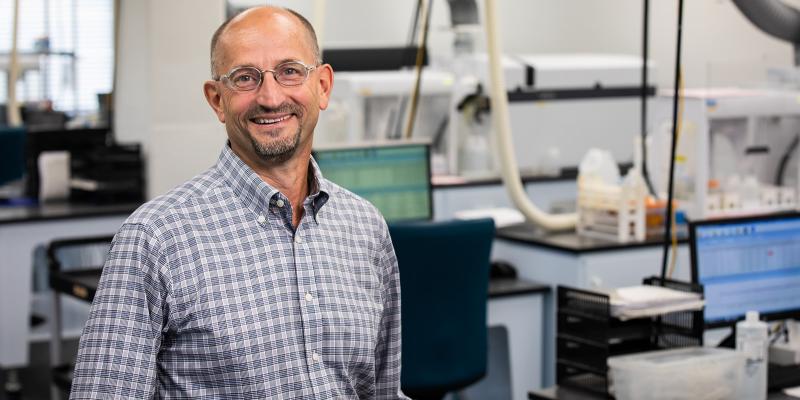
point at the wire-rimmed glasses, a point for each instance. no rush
(247, 78)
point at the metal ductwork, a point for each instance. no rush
(775, 18)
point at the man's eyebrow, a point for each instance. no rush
(242, 66)
(287, 60)
(283, 61)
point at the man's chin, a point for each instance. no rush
(275, 151)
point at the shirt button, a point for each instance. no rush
(279, 203)
(298, 239)
(309, 297)
(261, 219)
(315, 356)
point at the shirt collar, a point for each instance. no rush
(256, 194)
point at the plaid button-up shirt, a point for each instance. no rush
(209, 292)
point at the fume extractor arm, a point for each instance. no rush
(503, 140)
(775, 18)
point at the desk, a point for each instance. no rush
(21, 230)
(518, 304)
(568, 259)
(557, 393)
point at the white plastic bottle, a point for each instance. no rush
(752, 340)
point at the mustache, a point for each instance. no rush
(285, 108)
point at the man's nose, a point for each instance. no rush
(270, 93)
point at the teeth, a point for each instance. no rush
(264, 121)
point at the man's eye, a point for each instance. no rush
(244, 78)
(290, 71)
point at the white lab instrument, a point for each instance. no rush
(733, 154)
(565, 104)
(370, 105)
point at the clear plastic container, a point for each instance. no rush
(688, 373)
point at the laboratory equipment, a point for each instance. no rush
(370, 106)
(734, 154)
(747, 264)
(609, 207)
(752, 339)
(558, 100)
(394, 176)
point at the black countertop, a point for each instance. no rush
(568, 241)
(557, 393)
(569, 173)
(505, 287)
(56, 211)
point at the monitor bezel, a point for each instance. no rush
(693, 225)
(388, 144)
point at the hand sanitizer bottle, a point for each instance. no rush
(752, 341)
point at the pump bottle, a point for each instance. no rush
(752, 341)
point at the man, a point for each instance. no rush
(258, 278)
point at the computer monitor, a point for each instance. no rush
(748, 263)
(394, 177)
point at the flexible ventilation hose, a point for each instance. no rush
(775, 18)
(503, 140)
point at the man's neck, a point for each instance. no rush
(291, 179)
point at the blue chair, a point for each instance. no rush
(444, 278)
(12, 154)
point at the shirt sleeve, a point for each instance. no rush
(387, 351)
(119, 345)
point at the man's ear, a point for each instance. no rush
(325, 85)
(214, 98)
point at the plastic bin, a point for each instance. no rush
(692, 373)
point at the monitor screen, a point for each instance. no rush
(395, 178)
(744, 264)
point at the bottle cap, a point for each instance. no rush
(752, 316)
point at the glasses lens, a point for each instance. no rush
(291, 74)
(246, 78)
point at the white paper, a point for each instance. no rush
(645, 300)
(502, 216)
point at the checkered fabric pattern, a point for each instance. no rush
(209, 292)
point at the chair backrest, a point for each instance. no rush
(444, 275)
(78, 253)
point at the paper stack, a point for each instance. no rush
(646, 301)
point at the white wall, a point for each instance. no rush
(164, 55)
(163, 62)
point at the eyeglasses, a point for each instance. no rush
(292, 73)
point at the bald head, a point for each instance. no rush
(263, 13)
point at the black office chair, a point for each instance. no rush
(444, 277)
(75, 266)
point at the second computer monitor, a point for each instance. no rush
(394, 177)
(745, 264)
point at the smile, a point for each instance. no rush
(268, 121)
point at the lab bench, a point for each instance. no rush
(564, 258)
(22, 229)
